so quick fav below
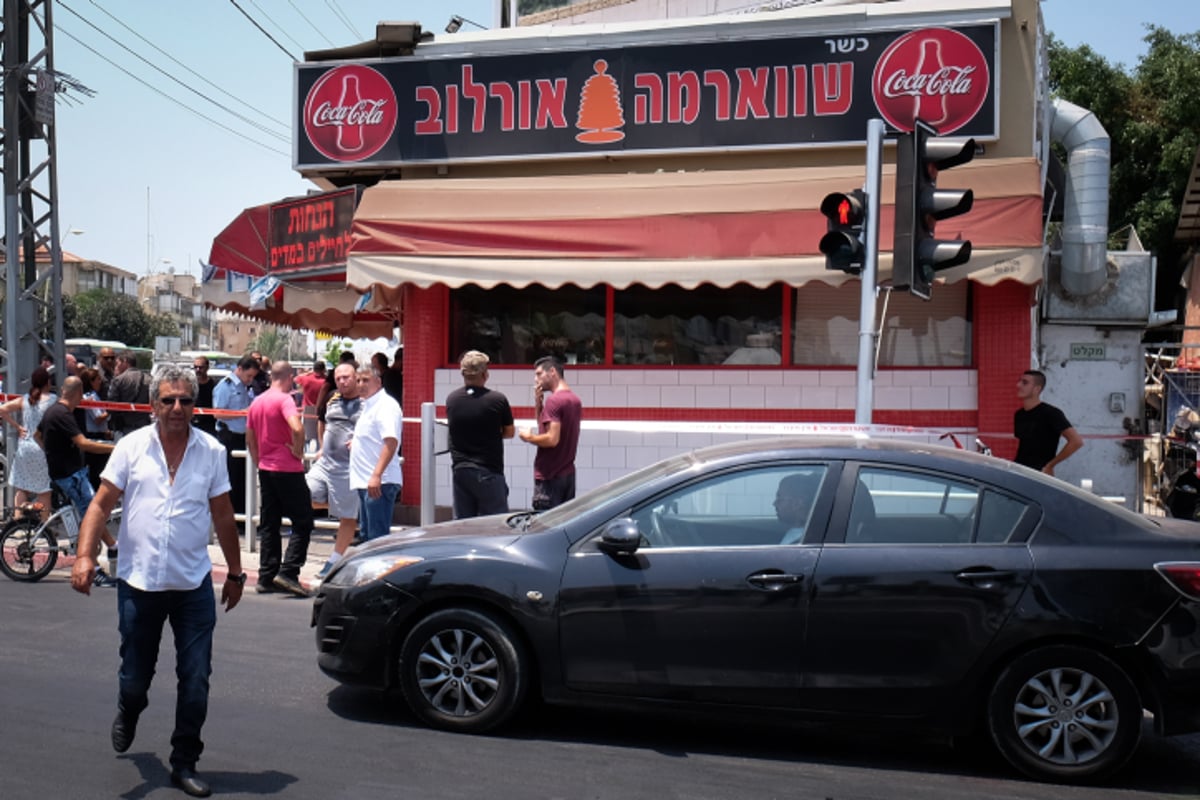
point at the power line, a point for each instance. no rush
(276, 24)
(156, 90)
(263, 30)
(251, 122)
(341, 15)
(320, 32)
(228, 94)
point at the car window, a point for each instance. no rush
(892, 506)
(764, 506)
(999, 516)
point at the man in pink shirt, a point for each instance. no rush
(275, 439)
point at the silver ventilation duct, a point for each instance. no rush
(1085, 207)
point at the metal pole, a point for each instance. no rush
(865, 395)
(428, 491)
(251, 541)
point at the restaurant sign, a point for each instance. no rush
(310, 233)
(780, 92)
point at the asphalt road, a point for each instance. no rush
(278, 728)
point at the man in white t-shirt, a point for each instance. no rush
(374, 465)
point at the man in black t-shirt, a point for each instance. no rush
(60, 436)
(130, 386)
(1038, 427)
(204, 396)
(479, 421)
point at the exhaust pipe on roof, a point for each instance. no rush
(1085, 204)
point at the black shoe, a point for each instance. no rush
(265, 588)
(123, 730)
(291, 585)
(102, 579)
(185, 778)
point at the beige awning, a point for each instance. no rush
(754, 226)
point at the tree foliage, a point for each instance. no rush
(1153, 117)
(102, 314)
(271, 342)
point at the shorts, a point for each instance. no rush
(332, 487)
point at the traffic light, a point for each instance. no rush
(917, 255)
(843, 245)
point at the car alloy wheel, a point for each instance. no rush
(1065, 713)
(462, 670)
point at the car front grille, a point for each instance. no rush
(335, 633)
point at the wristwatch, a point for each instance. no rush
(239, 579)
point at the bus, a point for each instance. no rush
(87, 351)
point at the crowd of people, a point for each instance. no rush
(348, 419)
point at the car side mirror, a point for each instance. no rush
(620, 537)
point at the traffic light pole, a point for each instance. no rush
(865, 394)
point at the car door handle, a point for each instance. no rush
(774, 581)
(983, 577)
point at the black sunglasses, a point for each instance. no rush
(184, 401)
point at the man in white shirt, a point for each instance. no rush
(374, 468)
(793, 501)
(175, 485)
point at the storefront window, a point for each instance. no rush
(518, 326)
(916, 333)
(707, 325)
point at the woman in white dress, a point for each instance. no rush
(27, 472)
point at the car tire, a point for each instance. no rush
(1065, 713)
(463, 670)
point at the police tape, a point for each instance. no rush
(715, 428)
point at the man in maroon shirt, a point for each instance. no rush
(310, 384)
(559, 412)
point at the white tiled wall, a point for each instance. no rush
(605, 454)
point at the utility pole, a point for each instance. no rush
(32, 303)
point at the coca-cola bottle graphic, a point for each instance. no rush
(350, 133)
(930, 105)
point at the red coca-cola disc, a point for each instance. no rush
(937, 74)
(350, 113)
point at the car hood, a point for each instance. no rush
(488, 531)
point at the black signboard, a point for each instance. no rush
(310, 232)
(782, 92)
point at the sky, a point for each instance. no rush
(147, 183)
(150, 183)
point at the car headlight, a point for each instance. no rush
(364, 569)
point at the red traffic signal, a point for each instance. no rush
(843, 246)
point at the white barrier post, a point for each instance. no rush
(428, 491)
(249, 531)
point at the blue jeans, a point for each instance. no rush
(375, 516)
(193, 616)
(78, 490)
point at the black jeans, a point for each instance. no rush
(553, 492)
(237, 468)
(479, 492)
(283, 494)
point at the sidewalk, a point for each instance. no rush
(319, 548)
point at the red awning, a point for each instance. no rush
(321, 301)
(686, 228)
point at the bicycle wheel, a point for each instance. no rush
(27, 554)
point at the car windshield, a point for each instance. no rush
(602, 494)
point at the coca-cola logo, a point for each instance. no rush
(936, 74)
(350, 113)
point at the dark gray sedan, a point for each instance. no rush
(857, 581)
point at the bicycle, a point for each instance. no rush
(30, 546)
